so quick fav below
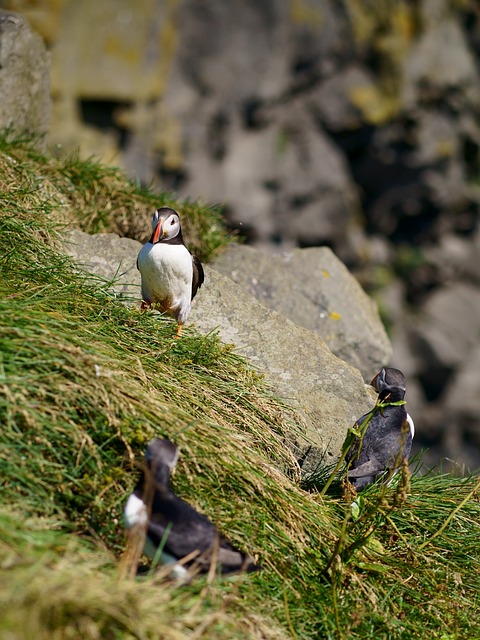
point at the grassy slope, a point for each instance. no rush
(86, 382)
(97, 198)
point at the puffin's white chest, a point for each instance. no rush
(411, 425)
(135, 513)
(167, 274)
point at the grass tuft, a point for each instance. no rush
(100, 199)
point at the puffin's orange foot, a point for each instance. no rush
(146, 304)
(179, 329)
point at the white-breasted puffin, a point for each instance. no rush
(387, 440)
(171, 275)
(174, 524)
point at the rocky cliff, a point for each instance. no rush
(327, 392)
(347, 124)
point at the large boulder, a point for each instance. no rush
(462, 403)
(438, 61)
(448, 327)
(327, 392)
(24, 77)
(109, 257)
(283, 180)
(315, 290)
(323, 394)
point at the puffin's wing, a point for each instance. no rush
(369, 468)
(353, 450)
(198, 275)
(188, 530)
(228, 559)
(232, 560)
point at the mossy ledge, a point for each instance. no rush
(86, 382)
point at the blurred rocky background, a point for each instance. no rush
(353, 124)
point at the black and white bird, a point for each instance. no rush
(171, 275)
(174, 525)
(387, 441)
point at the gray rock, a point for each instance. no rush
(240, 179)
(314, 193)
(471, 266)
(111, 258)
(271, 175)
(315, 290)
(460, 414)
(24, 77)
(436, 137)
(463, 396)
(332, 100)
(440, 59)
(328, 393)
(449, 326)
(461, 437)
(455, 257)
(323, 394)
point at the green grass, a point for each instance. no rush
(86, 382)
(99, 199)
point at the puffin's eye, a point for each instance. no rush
(172, 222)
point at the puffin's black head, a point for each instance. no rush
(166, 225)
(161, 457)
(387, 378)
(391, 394)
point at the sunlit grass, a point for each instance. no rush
(86, 382)
(99, 199)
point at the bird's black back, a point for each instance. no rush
(175, 526)
(198, 275)
(173, 521)
(188, 530)
(387, 438)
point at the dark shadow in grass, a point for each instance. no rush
(316, 479)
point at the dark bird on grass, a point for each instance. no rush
(171, 275)
(387, 441)
(174, 526)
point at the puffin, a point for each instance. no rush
(174, 526)
(171, 275)
(387, 441)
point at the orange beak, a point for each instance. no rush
(158, 232)
(373, 383)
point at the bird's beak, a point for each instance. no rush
(158, 232)
(379, 378)
(374, 382)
